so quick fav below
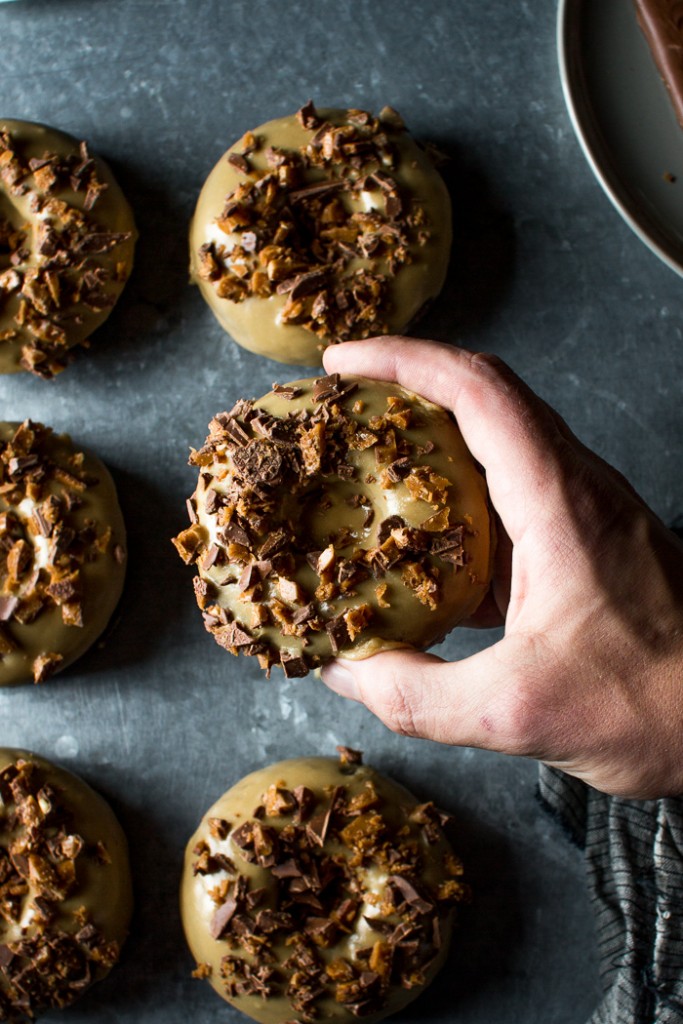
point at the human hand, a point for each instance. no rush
(588, 676)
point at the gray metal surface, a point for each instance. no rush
(544, 273)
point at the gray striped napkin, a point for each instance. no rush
(634, 864)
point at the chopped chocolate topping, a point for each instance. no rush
(66, 270)
(408, 893)
(338, 633)
(286, 391)
(261, 473)
(300, 228)
(347, 756)
(317, 881)
(308, 117)
(43, 546)
(222, 917)
(46, 964)
(293, 666)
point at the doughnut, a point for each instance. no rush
(337, 516)
(65, 887)
(62, 551)
(67, 237)
(320, 890)
(318, 228)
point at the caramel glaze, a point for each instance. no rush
(102, 577)
(110, 213)
(404, 621)
(253, 323)
(102, 884)
(321, 775)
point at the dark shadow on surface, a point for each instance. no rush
(677, 527)
(158, 284)
(158, 586)
(154, 956)
(487, 930)
(483, 256)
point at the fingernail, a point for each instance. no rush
(338, 678)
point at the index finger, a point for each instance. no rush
(507, 427)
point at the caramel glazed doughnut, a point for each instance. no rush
(65, 888)
(320, 228)
(62, 554)
(335, 517)
(67, 237)
(320, 890)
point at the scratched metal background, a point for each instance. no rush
(544, 273)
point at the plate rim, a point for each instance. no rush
(607, 175)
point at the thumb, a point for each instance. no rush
(476, 702)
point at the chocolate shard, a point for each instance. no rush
(293, 665)
(338, 633)
(233, 533)
(303, 284)
(308, 117)
(240, 162)
(101, 241)
(318, 826)
(302, 615)
(399, 469)
(249, 578)
(316, 189)
(410, 895)
(288, 869)
(286, 391)
(326, 388)
(232, 635)
(305, 799)
(222, 918)
(389, 524)
(8, 603)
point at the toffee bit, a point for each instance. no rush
(45, 665)
(307, 116)
(312, 883)
(298, 232)
(63, 267)
(219, 828)
(58, 951)
(284, 541)
(348, 756)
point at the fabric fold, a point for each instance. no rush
(634, 866)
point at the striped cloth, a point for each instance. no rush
(634, 863)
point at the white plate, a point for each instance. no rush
(623, 119)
